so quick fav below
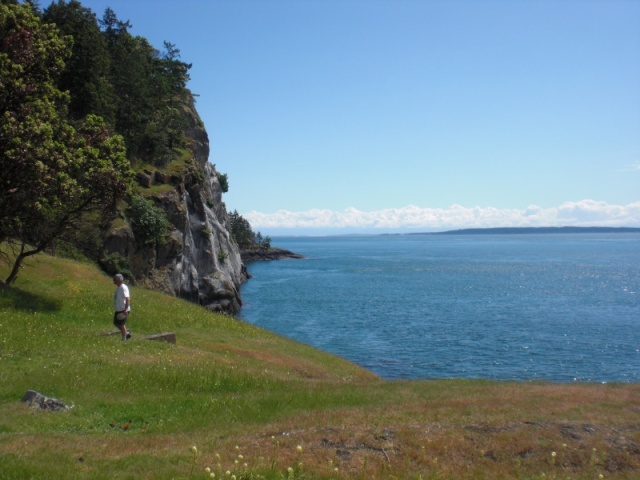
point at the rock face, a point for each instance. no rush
(200, 261)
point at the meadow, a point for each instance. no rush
(230, 400)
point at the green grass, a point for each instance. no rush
(139, 406)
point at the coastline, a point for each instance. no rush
(264, 254)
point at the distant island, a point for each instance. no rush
(530, 230)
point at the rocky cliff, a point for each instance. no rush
(200, 261)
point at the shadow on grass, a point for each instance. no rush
(21, 300)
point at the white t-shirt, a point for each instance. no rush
(119, 299)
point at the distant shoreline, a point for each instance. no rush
(532, 230)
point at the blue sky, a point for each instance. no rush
(379, 115)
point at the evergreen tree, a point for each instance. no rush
(85, 75)
(149, 90)
(241, 229)
(244, 235)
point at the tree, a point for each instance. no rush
(241, 229)
(244, 235)
(31, 56)
(53, 176)
(149, 92)
(85, 76)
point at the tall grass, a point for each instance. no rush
(292, 411)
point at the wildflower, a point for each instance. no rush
(218, 456)
(299, 448)
(290, 470)
(553, 454)
(601, 476)
(212, 475)
(227, 473)
(208, 470)
(194, 449)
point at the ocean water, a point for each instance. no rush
(555, 307)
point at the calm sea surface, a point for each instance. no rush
(552, 307)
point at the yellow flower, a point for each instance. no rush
(208, 470)
(553, 454)
(299, 448)
(194, 449)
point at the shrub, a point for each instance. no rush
(149, 223)
(113, 263)
(223, 179)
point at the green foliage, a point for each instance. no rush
(53, 174)
(149, 92)
(86, 73)
(149, 223)
(113, 263)
(138, 90)
(241, 229)
(244, 235)
(263, 242)
(223, 179)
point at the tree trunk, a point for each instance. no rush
(18, 262)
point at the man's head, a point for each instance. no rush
(118, 279)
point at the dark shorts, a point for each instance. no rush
(116, 322)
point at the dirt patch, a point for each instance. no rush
(509, 449)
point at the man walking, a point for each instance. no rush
(121, 306)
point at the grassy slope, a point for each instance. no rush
(139, 406)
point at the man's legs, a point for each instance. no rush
(122, 327)
(123, 330)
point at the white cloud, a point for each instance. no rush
(632, 167)
(582, 213)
